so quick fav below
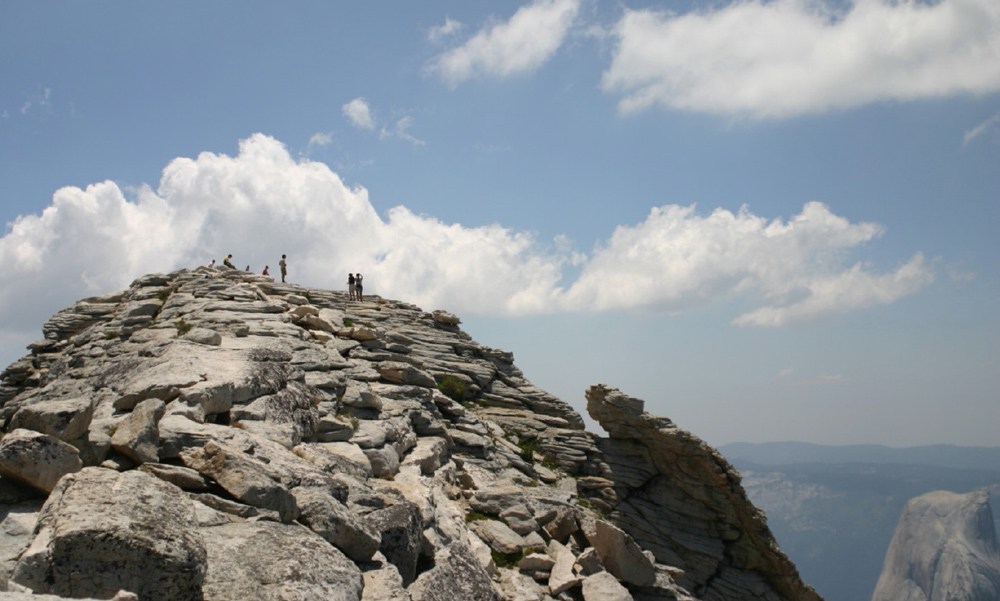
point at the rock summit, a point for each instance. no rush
(210, 434)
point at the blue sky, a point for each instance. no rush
(770, 220)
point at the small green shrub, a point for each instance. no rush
(112, 335)
(507, 560)
(550, 462)
(474, 516)
(453, 388)
(348, 323)
(528, 446)
(183, 327)
(164, 294)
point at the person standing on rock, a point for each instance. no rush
(350, 286)
(284, 268)
(358, 288)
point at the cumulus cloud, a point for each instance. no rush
(781, 58)
(677, 259)
(257, 205)
(359, 113)
(521, 45)
(263, 203)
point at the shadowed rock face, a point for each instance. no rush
(682, 500)
(212, 434)
(944, 549)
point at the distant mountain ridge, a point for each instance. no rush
(833, 509)
(789, 453)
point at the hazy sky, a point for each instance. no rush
(770, 220)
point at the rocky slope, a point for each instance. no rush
(216, 435)
(944, 549)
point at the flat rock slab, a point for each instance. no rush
(267, 561)
(602, 586)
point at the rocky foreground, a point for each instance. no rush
(216, 435)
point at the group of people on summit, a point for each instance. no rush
(355, 287)
(228, 262)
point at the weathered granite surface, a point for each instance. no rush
(213, 434)
(944, 548)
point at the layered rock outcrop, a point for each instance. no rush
(212, 434)
(944, 549)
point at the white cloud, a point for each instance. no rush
(788, 57)
(257, 205)
(993, 123)
(359, 113)
(677, 259)
(320, 139)
(521, 45)
(845, 291)
(402, 131)
(440, 32)
(262, 203)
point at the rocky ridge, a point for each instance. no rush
(213, 434)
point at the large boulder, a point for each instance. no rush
(619, 553)
(456, 575)
(398, 372)
(37, 459)
(400, 531)
(602, 586)
(268, 561)
(137, 435)
(562, 578)
(328, 517)
(66, 419)
(382, 581)
(245, 478)
(102, 531)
